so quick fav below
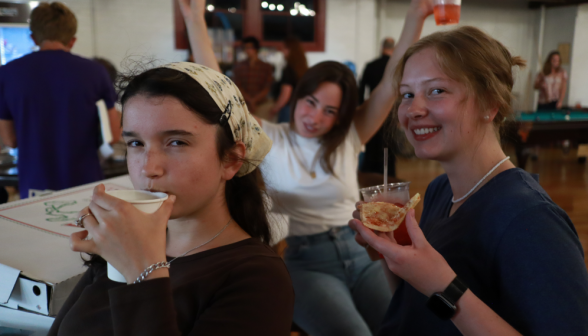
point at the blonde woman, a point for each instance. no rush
(493, 255)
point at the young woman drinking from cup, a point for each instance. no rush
(312, 172)
(493, 254)
(200, 265)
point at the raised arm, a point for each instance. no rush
(193, 12)
(372, 114)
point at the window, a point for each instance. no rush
(271, 21)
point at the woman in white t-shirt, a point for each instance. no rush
(312, 172)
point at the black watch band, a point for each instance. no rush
(455, 290)
(443, 304)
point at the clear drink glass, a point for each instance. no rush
(447, 12)
(396, 193)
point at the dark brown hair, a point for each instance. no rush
(337, 73)
(53, 22)
(474, 58)
(244, 195)
(296, 58)
(547, 65)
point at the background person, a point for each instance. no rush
(253, 76)
(296, 66)
(485, 222)
(48, 106)
(187, 139)
(373, 157)
(312, 175)
(552, 83)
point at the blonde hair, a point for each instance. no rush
(53, 22)
(473, 58)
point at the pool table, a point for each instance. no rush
(545, 127)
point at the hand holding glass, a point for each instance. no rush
(396, 193)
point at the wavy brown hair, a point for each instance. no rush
(296, 58)
(547, 65)
(471, 57)
(337, 73)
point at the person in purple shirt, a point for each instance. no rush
(48, 106)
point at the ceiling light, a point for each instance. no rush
(264, 4)
(293, 12)
(33, 4)
(210, 8)
(280, 7)
(272, 7)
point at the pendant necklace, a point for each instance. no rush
(297, 151)
(313, 166)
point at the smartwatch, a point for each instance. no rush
(443, 304)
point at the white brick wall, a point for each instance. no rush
(350, 33)
(120, 28)
(579, 69)
(123, 28)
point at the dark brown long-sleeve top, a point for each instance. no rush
(238, 289)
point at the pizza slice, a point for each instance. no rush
(385, 217)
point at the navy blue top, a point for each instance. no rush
(515, 249)
(51, 97)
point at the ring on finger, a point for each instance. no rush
(80, 221)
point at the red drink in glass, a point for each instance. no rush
(396, 193)
(401, 233)
(447, 14)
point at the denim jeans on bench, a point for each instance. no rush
(339, 290)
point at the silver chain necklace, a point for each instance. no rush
(208, 241)
(165, 264)
(477, 184)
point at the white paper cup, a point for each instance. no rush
(146, 201)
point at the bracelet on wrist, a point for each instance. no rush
(151, 269)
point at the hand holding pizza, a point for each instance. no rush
(419, 264)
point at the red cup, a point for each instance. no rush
(397, 193)
(447, 12)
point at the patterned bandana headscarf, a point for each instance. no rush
(232, 110)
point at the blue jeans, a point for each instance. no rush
(339, 290)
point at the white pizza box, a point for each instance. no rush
(38, 270)
(20, 322)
